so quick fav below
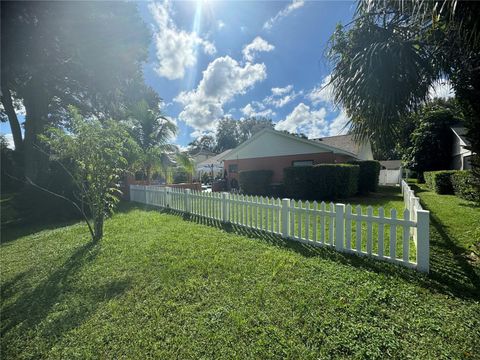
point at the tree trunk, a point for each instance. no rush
(98, 227)
(149, 174)
(36, 101)
(12, 118)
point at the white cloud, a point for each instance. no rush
(257, 109)
(305, 120)
(257, 45)
(441, 89)
(282, 96)
(295, 4)
(322, 93)
(223, 79)
(338, 126)
(176, 49)
(10, 143)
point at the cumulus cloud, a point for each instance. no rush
(257, 109)
(257, 45)
(441, 89)
(10, 143)
(282, 96)
(339, 125)
(223, 79)
(305, 120)
(294, 5)
(175, 49)
(322, 93)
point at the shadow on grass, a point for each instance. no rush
(15, 231)
(449, 273)
(51, 297)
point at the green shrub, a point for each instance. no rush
(368, 176)
(321, 182)
(439, 181)
(463, 183)
(255, 182)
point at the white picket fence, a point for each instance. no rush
(343, 227)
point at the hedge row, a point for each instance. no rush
(463, 183)
(458, 182)
(321, 182)
(255, 182)
(368, 177)
(439, 181)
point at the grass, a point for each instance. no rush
(159, 286)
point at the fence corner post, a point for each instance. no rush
(285, 217)
(339, 226)
(187, 200)
(225, 214)
(145, 194)
(423, 241)
(130, 195)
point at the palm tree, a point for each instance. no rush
(387, 59)
(187, 163)
(153, 132)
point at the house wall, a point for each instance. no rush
(278, 163)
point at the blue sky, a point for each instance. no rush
(238, 58)
(248, 58)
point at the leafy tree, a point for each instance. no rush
(152, 131)
(431, 140)
(388, 58)
(252, 125)
(227, 135)
(55, 54)
(205, 142)
(97, 153)
(187, 164)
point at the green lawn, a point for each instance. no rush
(160, 286)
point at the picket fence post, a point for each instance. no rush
(285, 217)
(145, 194)
(339, 226)
(168, 197)
(423, 241)
(225, 214)
(187, 201)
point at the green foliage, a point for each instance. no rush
(321, 182)
(368, 175)
(152, 131)
(255, 182)
(432, 139)
(440, 181)
(386, 60)
(99, 155)
(463, 183)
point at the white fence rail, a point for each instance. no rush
(403, 241)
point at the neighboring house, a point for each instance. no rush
(213, 166)
(362, 150)
(201, 155)
(274, 150)
(460, 155)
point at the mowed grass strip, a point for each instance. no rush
(159, 286)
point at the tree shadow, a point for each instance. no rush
(450, 273)
(15, 231)
(34, 306)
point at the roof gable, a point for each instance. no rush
(269, 143)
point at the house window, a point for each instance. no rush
(302, 163)
(233, 168)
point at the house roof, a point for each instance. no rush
(201, 152)
(315, 145)
(461, 132)
(215, 160)
(344, 142)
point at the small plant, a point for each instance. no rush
(98, 153)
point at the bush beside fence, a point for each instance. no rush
(342, 227)
(255, 182)
(463, 183)
(439, 181)
(368, 176)
(323, 182)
